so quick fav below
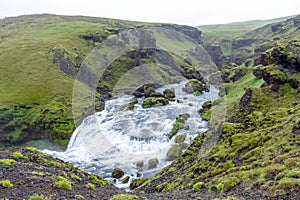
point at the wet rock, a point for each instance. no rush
(169, 93)
(176, 151)
(180, 138)
(117, 173)
(152, 163)
(195, 86)
(154, 101)
(140, 164)
(126, 179)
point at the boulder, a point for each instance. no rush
(169, 93)
(195, 86)
(154, 101)
(152, 163)
(176, 151)
(140, 164)
(126, 179)
(180, 138)
(117, 173)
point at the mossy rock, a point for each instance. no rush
(140, 164)
(126, 179)
(169, 93)
(117, 173)
(195, 86)
(154, 101)
(132, 103)
(180, 138)
(176, 151)
(152, 163)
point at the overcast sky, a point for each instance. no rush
(190, 12)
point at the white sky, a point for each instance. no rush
(190, 12)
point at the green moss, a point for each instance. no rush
(227, 184)
(131, 104)
(154, 101)
(198, 186)
(38, 173)
(75, 177)
(179, 124)
(17, 155)
(62, 183)
(6, 184)
(79, 197)
(137, 182)
(98, 180)
(176, 151)
(124, 197)
(91, 186)
(7, 162)
(38, 197)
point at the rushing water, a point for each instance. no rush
(116, 137)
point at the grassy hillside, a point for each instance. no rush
(257, 154)
(239, 40)
(40, 56)
(218, 32)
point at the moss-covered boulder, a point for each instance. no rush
(176, 151)
(117, 173)
(152, 163)
(126, 179)
(195, 86)
(180, 138)
(169, 93)
(154, 101)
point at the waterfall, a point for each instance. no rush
(117, 137)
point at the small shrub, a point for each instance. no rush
(63, 183)
(6, 184)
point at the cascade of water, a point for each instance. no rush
(116, 137)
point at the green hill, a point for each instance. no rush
(40, 56)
